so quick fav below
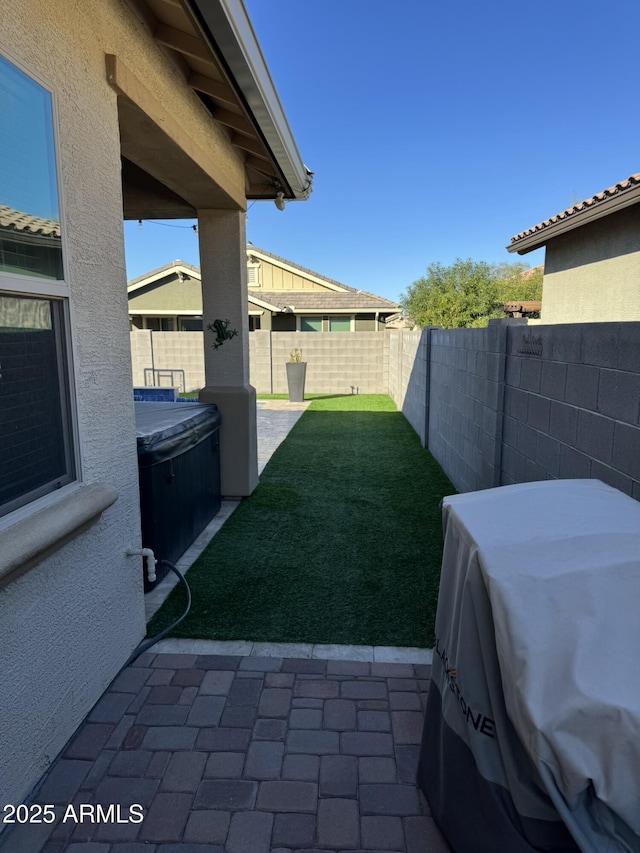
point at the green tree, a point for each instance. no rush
(468, 293)
(518, 283)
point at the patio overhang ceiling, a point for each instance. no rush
(213, 45)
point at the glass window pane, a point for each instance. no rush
(339, 324)
(188, 324)
(29, 209)
(34, 418)
(310, 324)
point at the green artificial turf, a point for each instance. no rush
(340, 543)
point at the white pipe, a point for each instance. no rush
(151, 561)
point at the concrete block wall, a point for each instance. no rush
(409, 365)
(465, 404)
(260, 362)
(140, 355)
(182, 351)
(572, 404)
(337, 362)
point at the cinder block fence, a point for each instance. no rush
(500, 405)
(516, 403)
(337, 362)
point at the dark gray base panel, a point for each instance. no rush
(475, 815)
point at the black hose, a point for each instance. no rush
(152, 640)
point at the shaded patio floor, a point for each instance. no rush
(231, 754)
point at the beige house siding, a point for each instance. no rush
(592, 274)
(272, 277)
(174, 297)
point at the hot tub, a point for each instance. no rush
(179, 472)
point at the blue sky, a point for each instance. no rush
(435, 130)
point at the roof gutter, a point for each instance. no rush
(541, 237)
(230, 30)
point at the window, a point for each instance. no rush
(339, 324)
(190, 324)
(36, 435)
(34, 421)
(160, 324)
(310, 324)
(29, 210)
(253, 275)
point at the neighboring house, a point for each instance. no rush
(400, 322)
(108, 109)
(282, 297)
(592, 258)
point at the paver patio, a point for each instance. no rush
(231, 754)
(246, 752)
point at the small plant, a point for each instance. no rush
(222, 331)
(295, 356)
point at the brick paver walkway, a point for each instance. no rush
(233, 754)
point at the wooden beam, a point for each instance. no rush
(182, 43)
(252, 146)
(216, 90)
(234, 121)
(264, 167)
(153, 139)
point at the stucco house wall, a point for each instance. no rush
(592, 257)
(70, 621)
(175, 297)
(592, 274)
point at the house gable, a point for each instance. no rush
(175, 293)
(275, 273)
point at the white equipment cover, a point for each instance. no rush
(560, 564)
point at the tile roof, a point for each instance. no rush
(16, 220)
(164, 268)
(312, 300)
(614, 192)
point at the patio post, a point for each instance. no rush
(223, 266)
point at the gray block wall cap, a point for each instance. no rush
(230, 30)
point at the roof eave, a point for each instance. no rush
(231, 31)
(577, 220)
